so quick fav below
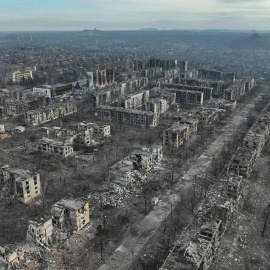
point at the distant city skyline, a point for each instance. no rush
(27, 15)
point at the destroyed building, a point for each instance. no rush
(256, 137)
(53, 90)
(107, 96)
(55, 147)
(207, 91)
(40, 233)
(47, 114)
(179, 132)
(189, 97)
(120, 173)
(218, 86)
(133, 101)
(198, 253)
(142, 159)
(95, 130)
(216, 75)
(208, 116)
(234, 187)
(128, 116)
(9, 257)
(103, 78)
(70, 214)
(242, 162)
(25, 185)
(158, 105)
(196, 247)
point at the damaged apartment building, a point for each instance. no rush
(104, 78)
(128, 116)
(239, 88)
(88, 132)
(196, 247)
(112, 94)
(58, 142)
(229, 77)
(40, 233)
(55, 147)
(142, 159)
(180, 131)
(24, 185)
(207, 91)
(50, 113)
(133, 101)
(218, 86)
(70, 214)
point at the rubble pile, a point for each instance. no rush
(219, 206)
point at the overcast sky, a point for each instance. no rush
(16, 15)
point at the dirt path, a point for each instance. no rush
(132, 244)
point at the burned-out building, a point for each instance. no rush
(55, 90)
(128, 116)
(243, 161)
(103, 78)
(70, 214)
(47, 114)
(208, 116)
(97, 131)
(133, 101)
(216, 75)
(196, 253)
(207, 91)
(234, 187)
(40, 233)
(55, 147)
(25, 185)
(120, 173)
(218, 86)
(180, 131)
(189, 97)
(157, 105)
(256, 137)
(143, 159)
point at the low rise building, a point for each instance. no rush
(120, 173)
(144, 159)
(70, 214)
(26, 185)
(180, 131)
(55, 147)
(40, 233)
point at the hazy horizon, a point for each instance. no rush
(71, 15)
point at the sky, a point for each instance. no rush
(35, 15)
